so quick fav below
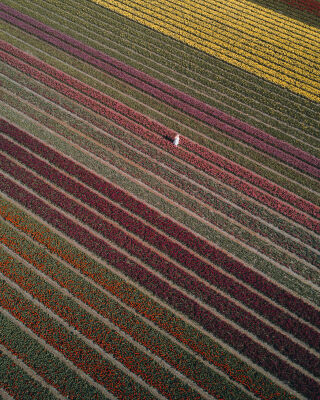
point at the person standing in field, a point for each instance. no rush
(176, 140)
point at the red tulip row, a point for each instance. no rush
(311, 6)
(167, 93)
(108, 339)
(168, 226)
(224, 331)
(209, 168)
(15, 381)
(164, 131)
(196, 191)
(150, 257)
(160, 316)
(73, 348)
(133, 326)
(156, 239)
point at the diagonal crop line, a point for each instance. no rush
(162, 130)
(189, 157)
(173, 96)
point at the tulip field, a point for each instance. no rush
(131, 268)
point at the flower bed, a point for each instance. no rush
(188, 238)
(151, 85)
(69, 344)
(187, 156)
(163, 290)
(163, 131)
(107, 338)
(163, 243)
(162, 317)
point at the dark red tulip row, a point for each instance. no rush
(164, 131)
(166, 93)
(166, 245)
(260, 355)
(311, 6)
(166, 225)
(139, 130)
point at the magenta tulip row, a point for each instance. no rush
(139, 130)
(205, 270)
(164, 131)
(227, 333)
(297, 158)
(166, 225)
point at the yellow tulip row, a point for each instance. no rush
(267, 17)
(281, 63)
(246, 22)
(226, 53)
(272, 49)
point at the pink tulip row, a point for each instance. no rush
(218, 327)
(168, 226)
(164, 131)
(165, 244)
(166, 93)
(143, 132)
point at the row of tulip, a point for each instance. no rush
(188, 26)
(240, 61)
(312, 6)
(268, 361)
(164, 244)
(137, 300)
(69, 344)
(222, 48)
(176, 231)
(147, 83)
(181, 199)
(227, 27)
(283, 24)
(162, 130)
(15, 381)
(156, 53)
(107, 338)
(189, 157)
(131, 325)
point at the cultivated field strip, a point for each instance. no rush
(145, 307)
(187, 104)
(166, 227)
(299, 250)
(101, 152)
(284, 182)
(20, 380)
(114, 32)
(202, 289)
(143, 132)
(311, 6)
(153, 277)
(164, 290)
(179, 11)
(244, 57)
(133, 268)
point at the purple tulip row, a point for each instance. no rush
(163, 243)
(162, 130)
(227, 333)
(168, 226)
(143, 132)
(166, 93)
